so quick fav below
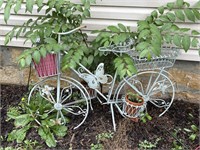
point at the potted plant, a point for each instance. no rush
(133, 105)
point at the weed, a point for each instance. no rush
(144, 117)
(31, 116)
(176, 146)
(192, 132)
(148, 145)
(101, 137)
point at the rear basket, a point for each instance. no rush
(47, 66)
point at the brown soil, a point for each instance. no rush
(128, 135)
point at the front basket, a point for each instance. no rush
(47, 66)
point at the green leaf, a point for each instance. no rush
(57, 28)
(158, 22)
(12, 113)
(132, 69)
(49, 47)
(22, 63)
(170, 5)
(189, 14)
(196, 13)
(168, 38)
(179, 3)
(50, 40)
(156, 46)
(46, 135)
(180, 15)
(117, 62)
(144, 34)
(1, 2)
(184, 29)
(7, 39)
(141, 46)
(166, 26)
(43, 52)
(60, 131)
(90, 59)
(194, 32)
(22, 120)
(45, 115)
(106, 43)
(194, 128)
(154, 14)
(194, 42)
(18, 32)
(7, 12)
(174, 28)
(164, 18)
(171, 16)
(155, 32)
(187, 130)
(117, 39)
(48, 123)
(122, 27)
(18, 6)
(29, 5)
(197, 5)
(113, 29)
(39, 3)
(186, 42)
(87, 4)
(86, 12)
(28, 60)
(36, 56)
(18, 135)
(122, 73)
(149, 19)
(177, 40)
(193, 137)
(144, 53)
(161, 9)
(142, 25)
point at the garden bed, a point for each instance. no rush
(166, 132)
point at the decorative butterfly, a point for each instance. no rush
(93, 80)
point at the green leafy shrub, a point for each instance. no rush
(152, 33)
(60, 16)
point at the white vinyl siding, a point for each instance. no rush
(103, 13)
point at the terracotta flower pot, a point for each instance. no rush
(131, 107)
(47, 66)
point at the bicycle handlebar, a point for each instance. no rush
(69, 32)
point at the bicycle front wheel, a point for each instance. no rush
(72, 105)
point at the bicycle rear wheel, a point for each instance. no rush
(72, 105)
(154, 87)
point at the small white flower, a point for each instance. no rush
(47, 90)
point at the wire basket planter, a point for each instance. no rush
(166, 59)
(122, 47)
(47, 66)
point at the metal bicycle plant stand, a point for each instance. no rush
(72, 99)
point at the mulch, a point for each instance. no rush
(128, 135)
